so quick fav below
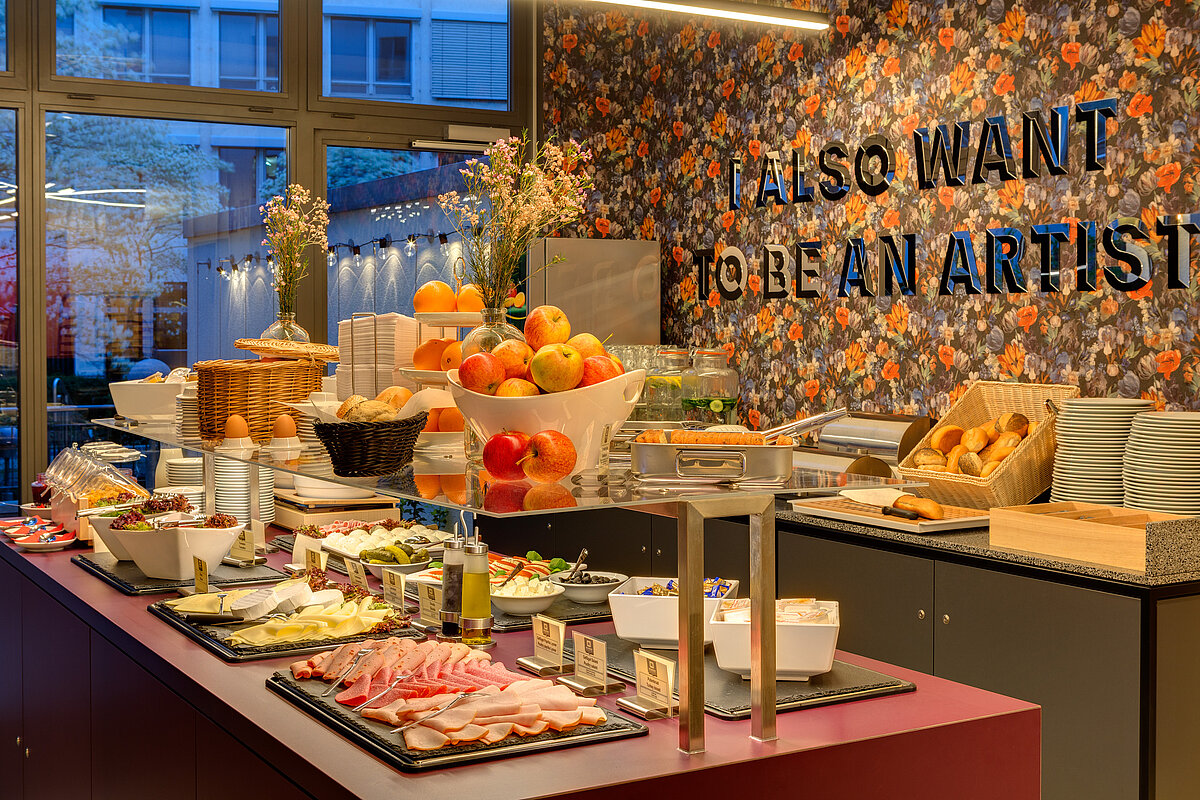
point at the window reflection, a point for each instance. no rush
(9, 436)
(235, 47)
(153, 250)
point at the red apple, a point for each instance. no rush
(620, 364)
(556, 367)
(598, 369)
(549, 457)
(548, 495)
(514, 355)
(482, 373)
(587, 345)
(517, 387)
(505, 496)
(503, 453)
(546, 325)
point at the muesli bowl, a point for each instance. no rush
(167, 552)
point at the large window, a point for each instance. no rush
(369, 58)
(148, 265)
(470, 60)
(10, 481)
(171, 42)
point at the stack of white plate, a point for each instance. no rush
(1091, 434)
(187, 418)
(185, 471)
(1162, 463)
(194, 494)
(233, 490)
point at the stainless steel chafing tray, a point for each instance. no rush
(888, 437)
(711, 463)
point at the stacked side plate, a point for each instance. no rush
(187, 418)
(194, 494)
(185, 471)
(233, 490)
(1091, 434)
(1162, 463)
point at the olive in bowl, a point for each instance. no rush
(589, 586)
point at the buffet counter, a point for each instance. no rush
(167, 718)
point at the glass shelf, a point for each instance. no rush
(461, 486)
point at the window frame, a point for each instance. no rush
(260, 51)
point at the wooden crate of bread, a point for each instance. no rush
(1021, 473)
(1110, 535)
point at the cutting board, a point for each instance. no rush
(840, 508)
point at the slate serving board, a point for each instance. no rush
(727, 696)
(128, 579)
(373, 736)
(334, 562)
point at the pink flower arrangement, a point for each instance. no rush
(510, 200)
(294, 223)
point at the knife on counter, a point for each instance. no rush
(886, 501)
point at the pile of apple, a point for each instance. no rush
(545, 457)
(549, 360)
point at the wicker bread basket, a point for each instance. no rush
(253, 390)
(362, 449)
(1021, 477)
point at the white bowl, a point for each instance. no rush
(525, 606)
(407, 569)
(653, 621)
(167, 554)
(36, 510)
(145, 402)
(589, 593)
(111, 540)
(325, 490)
(583, 415)
(802, 649)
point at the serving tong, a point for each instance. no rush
(807, 425)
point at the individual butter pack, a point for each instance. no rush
(713, 587)
(791, 611)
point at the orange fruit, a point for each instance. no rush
(431, 424)
(451, 419)
(434, 296)
(428, 486)
(452, 356)
(470, 298)
(455, 488)
(428, 354)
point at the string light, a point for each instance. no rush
(410, 249)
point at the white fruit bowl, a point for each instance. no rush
(526, 606)
(167, 554)
(802, 649)
(145, 402)
(583, 415)
(653, 620)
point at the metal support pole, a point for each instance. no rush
(762, 625)
(210, 483)
(691, 629)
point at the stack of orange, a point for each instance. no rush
(440, 297)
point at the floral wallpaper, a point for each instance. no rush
(665, 100)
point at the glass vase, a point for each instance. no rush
(284, 328)
(494, 330)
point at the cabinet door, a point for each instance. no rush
(885, 599)
(726, 550)
(1075, 652)
(56, 680)
(228, 770)
(618, 540)
(516, 536)
(11, 742)
(154, 754)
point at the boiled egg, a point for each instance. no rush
(236, 428)
(285, 427)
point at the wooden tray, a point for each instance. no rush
(332, 502)
(1091, 532)
(957, 518)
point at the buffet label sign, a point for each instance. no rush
(358, 575)
(315, 560)
(655, 678)
(953, 156)
(429, 603)
(243, 547)
(548, 636)
(200, 566)
(591, 658)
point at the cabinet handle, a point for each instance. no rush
(549, 526)
(945, 619)
(18, 741)
(644, 548)
(920, 613)
(27, 752)
(658, 552)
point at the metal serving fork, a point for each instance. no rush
(389, 687)
(338, 680)
(447, 707)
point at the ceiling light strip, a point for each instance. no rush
(744, 12)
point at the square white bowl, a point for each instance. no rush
(167, 554)
(802, 649)
(653, 621)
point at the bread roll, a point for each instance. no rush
(371, 411)
(1033, 423)
(970, 464)
(923, 506)
(975, 439)
(952, 459)
(990, 427)
(933, 467)
(946, 437)
(350, 403)
(1012, 421)
(999, 453)
(928, 457)
(989, 468)
(1010, 439)
(394, 396)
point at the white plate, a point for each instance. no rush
(430, 377)
(1117, 402)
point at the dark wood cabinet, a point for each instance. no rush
(225, 769)
(617, 540)
(12, 748)
(56, 686)
(726, 550)
(1074, 651)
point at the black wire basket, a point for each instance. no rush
(362, 449)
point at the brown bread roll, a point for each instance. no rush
(1009, 439)
(1014, 422)
(933, 467)
(970, 464)
(394, 396)
(946, 437)
(975, 439)
(371, 411)
(953, 457)
(1032, 425)
(989, 468)
(927, 457)
(990, 427)
(350, 403)
(1000, 453)
(929, 509)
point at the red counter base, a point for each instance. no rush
(223, 735)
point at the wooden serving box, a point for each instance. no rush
(1110, 535)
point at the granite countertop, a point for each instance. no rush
(975, 542)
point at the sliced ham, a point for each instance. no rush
(419, 737)
(458, 651)
(343, 657)
(357, 692)
(525, 718)
(320, 661)
(558, 698)
(592, 716)
(496, 731)
(561, 720)
(531, 685)
(301, 669)
(541, 726)
(494, 706)
(451, 720)
(393, 695)
(468, 733)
